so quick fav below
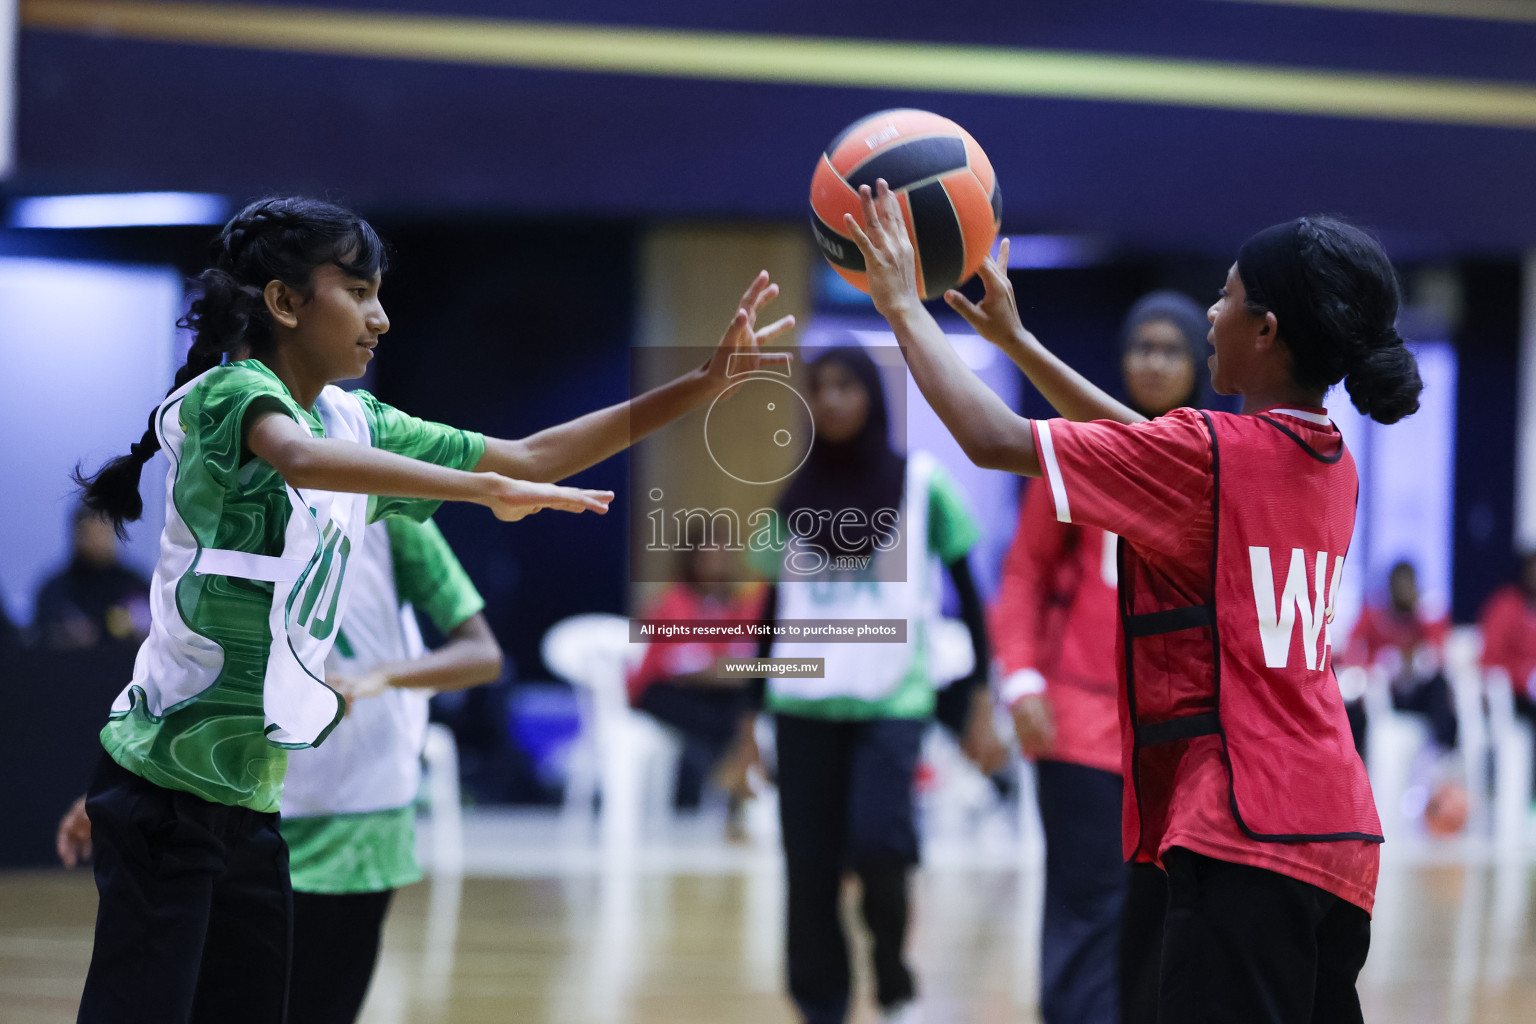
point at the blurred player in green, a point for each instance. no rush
(348, 814)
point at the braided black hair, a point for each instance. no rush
(275, 239)
(1335, 295)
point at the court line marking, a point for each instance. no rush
(799, 60)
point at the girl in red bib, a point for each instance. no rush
(1242, 781)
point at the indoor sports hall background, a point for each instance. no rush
(565, 184)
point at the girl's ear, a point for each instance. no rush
(1269, 330)
(280, 302)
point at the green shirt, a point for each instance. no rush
(213, 746)
(429, 578)
(952, 532)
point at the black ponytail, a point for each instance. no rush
(1335, 297)
(278, 239)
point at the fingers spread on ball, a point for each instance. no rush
(871, 214)
(855, 232)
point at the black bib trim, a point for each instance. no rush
(1183, 728)
(1288, 432)
(1197, 616)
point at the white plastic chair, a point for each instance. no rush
(958, 793)
(626, 756)
(1393, 740)
(1512, 744)
(440, 759)
(1463, 649)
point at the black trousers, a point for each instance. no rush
(846, 804)
(1242, 945)
(1141, 942)
(1432, 698)
(709, 719)
(193, 919)
(1085, 882)
(335, 948)
(1355, 710)
(1526, 708)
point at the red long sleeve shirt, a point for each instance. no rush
(1509, 635)
(1055, 614)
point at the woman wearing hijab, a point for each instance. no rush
(848, 742)
(1054, 625)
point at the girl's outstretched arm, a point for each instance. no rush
(470, 657)
(335, 465)
(992, 435)
(559, 451)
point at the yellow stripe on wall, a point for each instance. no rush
(798, 60)
(1468, 10)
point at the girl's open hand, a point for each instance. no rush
(1035, 722)
(890, 263)
(512, 499)
(73, 842)
(996, 316)
(740, 348)
(370, 683)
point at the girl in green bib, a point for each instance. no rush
(274, 475)
(849, 740)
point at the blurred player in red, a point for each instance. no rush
(677, 684)
(1508, 622)
(1054, 624)
(1410, 646)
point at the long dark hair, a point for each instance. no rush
(861, 473)
(1335, 297)
(276, 239)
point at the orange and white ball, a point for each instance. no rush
(943, 181)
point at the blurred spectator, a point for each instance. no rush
(676, 683)
(1409, 645)
(1508, 622)
(95, 599)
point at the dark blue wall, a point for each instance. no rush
(506, 330)
(99, 112)
(1487, 347)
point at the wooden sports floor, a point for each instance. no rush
(546, 929)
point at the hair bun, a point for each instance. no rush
(1384, 381)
